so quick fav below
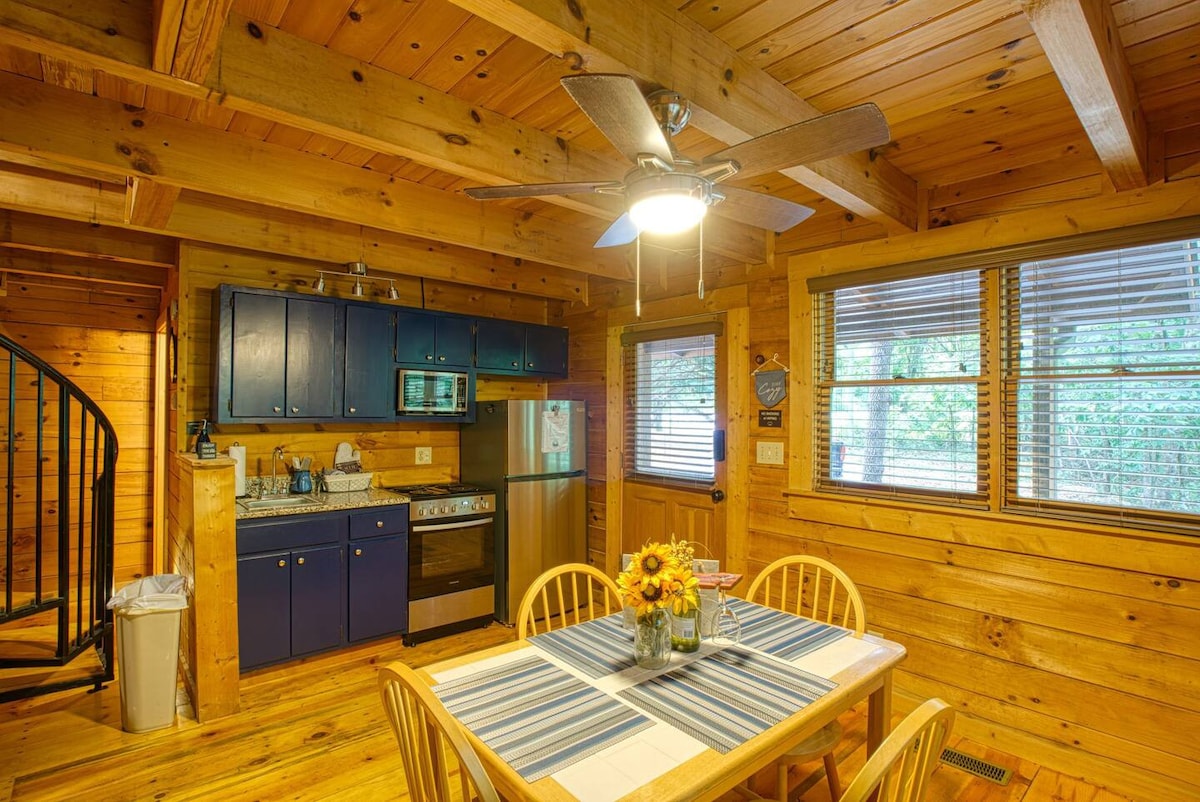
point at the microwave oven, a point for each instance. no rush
(431, 392)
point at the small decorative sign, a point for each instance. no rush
(770, 418)
(770, 386)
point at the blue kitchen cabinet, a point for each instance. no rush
(370, 380)
(378, 587)
(433, 339)
(274, 359)
(264, 608)
(506, 346)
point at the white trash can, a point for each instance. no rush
(147, 613)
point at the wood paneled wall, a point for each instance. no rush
(101, 337)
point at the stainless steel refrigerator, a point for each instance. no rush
(534, 455)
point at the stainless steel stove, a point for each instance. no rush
(451, 558)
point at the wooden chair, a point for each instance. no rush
(817, 589)
(901, 767)
(424, 729)
(570, 593)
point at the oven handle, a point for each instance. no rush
(455, 525)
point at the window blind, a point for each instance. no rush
(670, 412)
(1102, 384)
(901, 388)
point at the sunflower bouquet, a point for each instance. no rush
(659, 577)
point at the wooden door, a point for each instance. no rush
(655, 509)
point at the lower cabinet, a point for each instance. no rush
(306, 583)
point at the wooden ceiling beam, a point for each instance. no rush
(29, 189)
(731, 99)
(84, 240)
(99, 134)
(221, 221)
(59, 266)
(148, 203)
(1081, 40)
(285, 79)
(195, 27)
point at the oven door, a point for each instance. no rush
(449, 556)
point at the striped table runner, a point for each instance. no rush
(596, 648)
(784, 635)
(536, 717)
(728, 697)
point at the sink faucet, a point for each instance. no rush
(276, 455)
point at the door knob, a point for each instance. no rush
(718, 496)
(358, 552)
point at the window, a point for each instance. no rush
(1102, 381)
(1093, 362)
(901, 387)
(670, 413)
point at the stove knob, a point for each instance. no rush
(420, 510)
(485, 503)
(444, 510)
(474, 505)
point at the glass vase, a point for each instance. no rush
(685, 630)
(652, 639)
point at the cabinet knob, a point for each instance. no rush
(295, 410)
(529, 364)
(379, 524)
(279, 409)
(441, 358)
(429, 357)
(358, 552)
(299, 561)
(516, 364)
(282, 563)
(353, 410)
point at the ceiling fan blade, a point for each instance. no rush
(535, 190)
(621, 232)
(757, 209)
(614, 103)
(846, 131)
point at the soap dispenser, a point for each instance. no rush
(205, 448)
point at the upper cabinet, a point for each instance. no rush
(369, 374)
(274, 357)
(432, 339)
(505, 346)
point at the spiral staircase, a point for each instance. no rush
(56, 567)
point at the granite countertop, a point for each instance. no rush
(330, 502)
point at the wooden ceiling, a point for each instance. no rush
(346, 129)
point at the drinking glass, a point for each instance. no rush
(727, 629)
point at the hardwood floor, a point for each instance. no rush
(315, 729)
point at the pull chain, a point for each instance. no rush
(700, 259)
(637, 278)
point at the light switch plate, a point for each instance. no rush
(424, 455)
(770, 452)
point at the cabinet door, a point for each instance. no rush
(378, 586)
(316, 599)
(264, 609)
(454, 341)
(499, 345)
(414, 337)
(546, 350)
(257, 359)
(310, 359)
(370, 377)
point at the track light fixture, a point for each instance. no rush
(358, 272)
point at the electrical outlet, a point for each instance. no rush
(770, 452)
(424, 455)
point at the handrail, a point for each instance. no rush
(85, 458)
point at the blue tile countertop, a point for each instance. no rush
(248, 506)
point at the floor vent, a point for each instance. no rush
(973, 765)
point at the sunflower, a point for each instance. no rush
(683, 590)
(653, 560)
(641, 593)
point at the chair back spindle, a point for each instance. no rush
(564, 595)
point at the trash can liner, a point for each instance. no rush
(158, 592)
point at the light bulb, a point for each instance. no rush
(393, 294)
(667, 212)
(358, 289)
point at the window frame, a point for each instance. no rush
(996, 377)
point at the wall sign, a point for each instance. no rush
(770, 418)
(770, 385)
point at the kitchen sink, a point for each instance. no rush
(277, 502)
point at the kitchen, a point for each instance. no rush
(267, 188)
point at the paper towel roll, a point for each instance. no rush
(238, 455)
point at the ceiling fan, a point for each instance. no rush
(667, 193)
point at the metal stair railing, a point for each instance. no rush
(59, 471)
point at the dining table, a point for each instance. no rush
(568, 715)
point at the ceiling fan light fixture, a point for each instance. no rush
(669, 203)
